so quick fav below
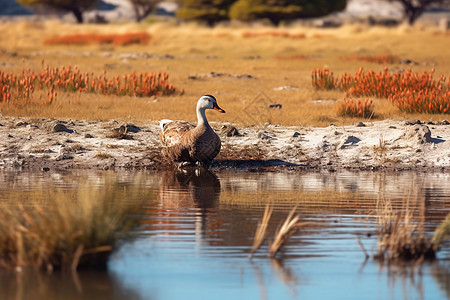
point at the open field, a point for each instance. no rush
(247, 69)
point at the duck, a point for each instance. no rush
(191, 144)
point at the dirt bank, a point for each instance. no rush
(45, 144)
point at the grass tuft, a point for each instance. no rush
(401, 237)
(67, 230)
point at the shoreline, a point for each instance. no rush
(55, 145)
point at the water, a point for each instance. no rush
(196, 230)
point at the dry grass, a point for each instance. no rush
(63, 229)
(284, 232)
(401, 234)
(286, 229)
(260, 234)
(198, 50)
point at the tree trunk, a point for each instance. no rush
(78, 15)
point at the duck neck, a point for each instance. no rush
(201, 118)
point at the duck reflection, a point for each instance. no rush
(188, 194)
(189, 188)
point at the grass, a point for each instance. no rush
(401, 233)
(188, 50)
(65, 229)
(284, 231)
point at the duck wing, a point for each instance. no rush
(173, 132)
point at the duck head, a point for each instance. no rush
(208, 102)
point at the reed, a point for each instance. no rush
(66, 230)
(401, 237)
(260, 234)
(284, 232)
(442, 232)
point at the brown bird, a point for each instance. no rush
(189, 144)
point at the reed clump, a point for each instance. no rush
(401, 234)
(67, 230)
(399, 238)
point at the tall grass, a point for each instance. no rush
(401, 236)
(66, 230)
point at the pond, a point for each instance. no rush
(196, 229)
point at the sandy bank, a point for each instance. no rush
(45, 144)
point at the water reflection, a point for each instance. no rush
(30, 284)
(197, 228)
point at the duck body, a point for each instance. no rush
(187, 143)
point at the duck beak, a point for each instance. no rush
(216, 107)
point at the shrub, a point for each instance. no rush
(323, 79)
(20, 89)
(355, 108)
(210, 12)
(277, 11)
(410, 92)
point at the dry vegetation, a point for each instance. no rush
(64, 229)
(185, 51)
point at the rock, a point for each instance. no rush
(279, 106)
(348, 140)
(444, 122)
(415, 122)
(88, 136)
(230, 131)
(420, 133)
(120, 133)
(296, 134)
(21, 123)
(61, 128)
(286, 88)
(263, 135)
(360, 124)
(132, 128)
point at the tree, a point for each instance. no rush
(77, 7)
(413, 9)
(210, 11)
(143, 8)
(279, 10)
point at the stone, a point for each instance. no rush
(230, 131)
(61, 128)
(347, 141)
(419, 132)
